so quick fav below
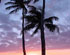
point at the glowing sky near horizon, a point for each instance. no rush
(48, 52)
(56, 44)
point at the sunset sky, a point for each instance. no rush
(56, 44)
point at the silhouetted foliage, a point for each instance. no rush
(36, 1)
(34, 20)
(16, 5)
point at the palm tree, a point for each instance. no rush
(42, 28)
(19, 4)
(34, 21)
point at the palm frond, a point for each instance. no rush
(15, 10)
(17, 0)
(52, 27)
(36, 30)
(36, 13)
(32, 7)
(30, 18)
(34, 10)
(11, 7)
(36, 1)
(9, 3)
(50, 19)
(53, 18)
(29, 26)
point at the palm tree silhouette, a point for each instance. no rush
(34, 21)
(19, 4)
(42, 28)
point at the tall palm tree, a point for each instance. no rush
(34, 21)
(19, 4)
(42, 28)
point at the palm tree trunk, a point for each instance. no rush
(23, 39)
(42, 31)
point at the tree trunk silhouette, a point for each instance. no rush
(23, 38)
(42, 30)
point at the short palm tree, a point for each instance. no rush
(17, 5)
(34, 21)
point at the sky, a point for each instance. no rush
(56, 44)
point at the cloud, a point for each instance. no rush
(8, 38)
(10, 29)
(58, 42)
(61, 9)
